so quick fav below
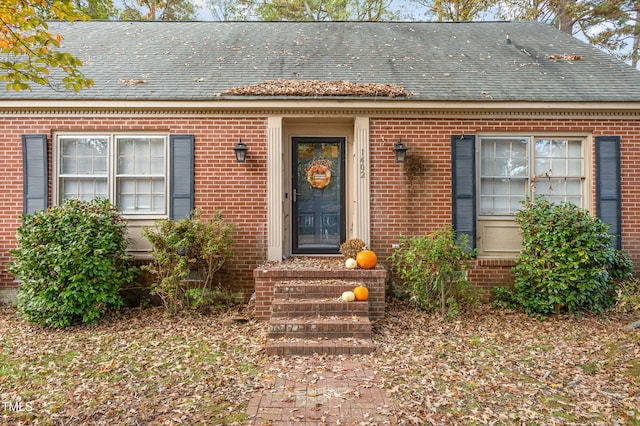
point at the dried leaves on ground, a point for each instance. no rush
(485, 367)
(285, 87)
(139, 367)
(503, 367)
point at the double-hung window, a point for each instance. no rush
(130, 170)
(514, 168)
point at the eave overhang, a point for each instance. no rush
(317, 106)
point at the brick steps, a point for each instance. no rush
(336, 346)
(287, 308)
(313, 289)
(308, 317)
(320, 327)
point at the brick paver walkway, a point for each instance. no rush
(319, 391)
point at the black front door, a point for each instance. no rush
(318, 195)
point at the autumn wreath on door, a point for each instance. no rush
(319, 173)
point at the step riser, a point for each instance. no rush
(300, 308)
(294, 349)
(326, 330)
(297, 291)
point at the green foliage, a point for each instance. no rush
(433, 268)
(30, 51)
(567, 262)
(182, 249)
(72, 262)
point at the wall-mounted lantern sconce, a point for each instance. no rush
(241, 151)
(400, 151)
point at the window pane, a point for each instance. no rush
(68, 165)
(125, 147)
(141, 165)
(127, 203)
(157, 166)
(83, 188)
(559, 167)
(137, 194)
(157, 147)
(68, 147)
(543, 148)
(501, 187)
(81, 161)
(125, 166)
(574, 187)
(84, 166)
(143, 203)
(144, 186)
(503, 175)
(516, 203)
(100, 166)
(158, 202)
(575, 149)
(564, 158)
(574, 167)
(138, 158)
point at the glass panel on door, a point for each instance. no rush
(318, 195)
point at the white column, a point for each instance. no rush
(274, 189)
(362, 217)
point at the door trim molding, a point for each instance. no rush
(275, 201)
(362, 208)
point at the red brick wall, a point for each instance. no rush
(238, 189)
(417, 205)
(399, 204)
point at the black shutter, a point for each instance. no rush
(181, 149)
(35, 172)
(463, 186)
(608, 194)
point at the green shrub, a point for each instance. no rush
(72, 262)
(433, 269)
(186, 254)
(568, 261)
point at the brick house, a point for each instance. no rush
(487, 111)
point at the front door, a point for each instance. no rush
(318, 195)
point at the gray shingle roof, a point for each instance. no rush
(435, 61)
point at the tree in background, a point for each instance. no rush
(97, 9)
(457, 10)
(611, 25)
(303, 10)
(31, 52)
(616, 28)
(158, 10)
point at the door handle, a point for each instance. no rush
(295, 195)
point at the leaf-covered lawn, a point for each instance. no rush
(136, 368)
(491, 366)
(503, 367)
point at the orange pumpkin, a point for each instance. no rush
(361, 293)
(367, 259)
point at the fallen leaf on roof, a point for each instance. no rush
(132, 81)
(565, 57)
(284, 87)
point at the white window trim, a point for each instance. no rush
(112, 167)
